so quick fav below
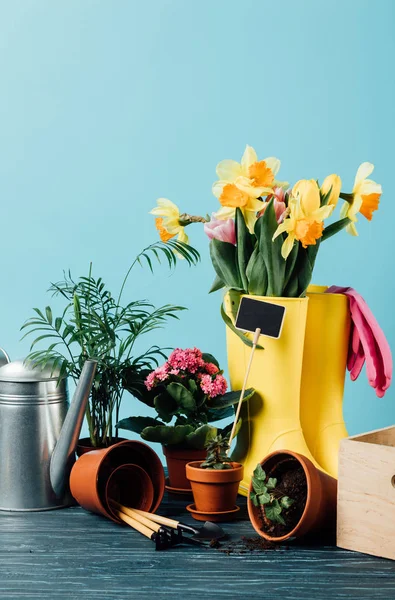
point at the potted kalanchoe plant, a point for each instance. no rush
(96, 324)
(188, 393)
(215, 481)
(290, 498)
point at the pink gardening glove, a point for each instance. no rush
(367, 343)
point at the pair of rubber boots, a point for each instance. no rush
(299, 382)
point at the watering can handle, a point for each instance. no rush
(4, 358)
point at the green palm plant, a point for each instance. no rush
(95, 324)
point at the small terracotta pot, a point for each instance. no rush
(130, 486)
(214, 490)
(90, 473)
(319, 515)
(176, 460)
(85, 445)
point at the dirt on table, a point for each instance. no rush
(246, 545)
(291, 482)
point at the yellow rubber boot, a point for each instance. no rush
(271, 419)
(323, 375)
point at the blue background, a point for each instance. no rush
(107, 105)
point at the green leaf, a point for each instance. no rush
(200, 437)
(273, 512)
(182, 396)
(305, 266)
(259, 473)
(230, 398)
(137, 424)
(254, 499)
(257, 274)
(290, 264)
(244, 247)
(216, 285)
(48, 312)
(264, 498)
(259, 486)
(286, 502)
(165, 406)
(265, 228)
(334, 228)
(224, 259)
(167, 434)
(209, 358)
(271, 483)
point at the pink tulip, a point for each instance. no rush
(367, 343)
(222, 230)
(279, 204)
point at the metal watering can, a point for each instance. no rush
(38, 434)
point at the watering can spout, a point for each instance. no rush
(63, 454)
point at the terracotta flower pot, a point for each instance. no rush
(85, 445)
(319, 514)
(214, 490)
(130, 486)
(176, 460)
(90, 473)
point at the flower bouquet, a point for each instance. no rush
(265, 237)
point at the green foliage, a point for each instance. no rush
(93, 324)
(270, 250)
(217, 449)
(266, 494)
(224, 258)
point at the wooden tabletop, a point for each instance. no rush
(73, 554)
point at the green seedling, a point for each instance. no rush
(266, 495)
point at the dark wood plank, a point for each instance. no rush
(74, 554)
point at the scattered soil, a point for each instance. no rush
(291, 481)
(247, 545)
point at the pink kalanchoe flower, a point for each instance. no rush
(186, 360)
(279, 204)
(222, 230)
(211, 368)
(150, 381)
(213, 387)
(159, 374)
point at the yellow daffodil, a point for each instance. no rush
(305, 220)
(332, 184)
(240, 184)
(168, 221)
(365, 197)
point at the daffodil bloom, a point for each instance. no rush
(168, 224)
(331, 185)
(240, 184)
(306, 216)
(365, 197)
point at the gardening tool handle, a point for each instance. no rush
(158, 518)
(135, 524)
(134, 514)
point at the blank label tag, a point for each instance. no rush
(255, 313)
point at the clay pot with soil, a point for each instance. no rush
(290, 498)
(215, 482)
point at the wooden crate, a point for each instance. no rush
(366, 493)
